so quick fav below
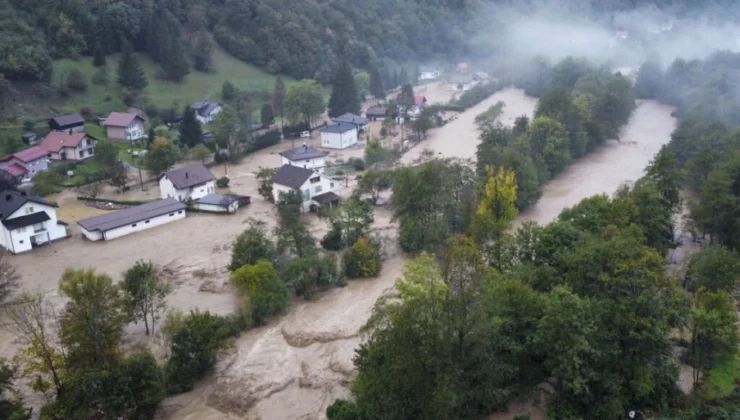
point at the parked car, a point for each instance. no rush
(305, 134)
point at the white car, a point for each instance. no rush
(305, 134)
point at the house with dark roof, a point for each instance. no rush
(124, 126)
(304, 157)
(132, 219)
(221, 203)
(316, 188)
(28, 221)
(69, 145)
(73, 122)
(339, 135)
(360, 122)
(189, 182)
(376, 113)
(206, 111)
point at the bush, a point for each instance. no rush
(383, 131)
(228, 91)
(76, 81)
(362, 260)
(260, 284)
(198, 339)
(220, 157)
(304, 276)
(343, 410)
(222, 182)
(332, 241)
(151, 110)
(86, 112)
(358, 164)
(251, 246)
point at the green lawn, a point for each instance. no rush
(103, 99)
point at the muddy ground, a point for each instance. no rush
(299, 363)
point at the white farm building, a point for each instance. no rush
(339, 136)
(133, 219)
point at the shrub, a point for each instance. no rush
(304, 276)
(358, 164)
(383, 131)
(260, 284)
(362, 260)
(222, 182)
(151, 110)
(343, 410)
(339, 172)
(86, 112)
(228, 91)
(76, 81)
(220, 157)
(332, 241)
(251, 246)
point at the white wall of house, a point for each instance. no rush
(339, 140)
(316, 185)
(429, 75)
(233, 207)
(316, 164)
(134, 227)
(21, 239)
(167, 190)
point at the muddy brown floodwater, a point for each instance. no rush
(295, 366)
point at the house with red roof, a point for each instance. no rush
(25, 164)
(124, 126)
(69, 145)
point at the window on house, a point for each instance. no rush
(146, 222)
(20, 242)
(29, 209)
(23, 229)
(306, 194)
(179, 212)
(318, 188)
(315, 179)
(331, 185)
(82, 153)
(134, 225)
(172, 214)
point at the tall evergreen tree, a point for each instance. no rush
(266, 115)
(202, 51)
(403, 77)
(98, 56)
(130, 74)
(190, 131)
(174, 60)
(278, 99)
(344, 96)
(376, 84)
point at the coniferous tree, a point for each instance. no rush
(278, 99)
(376, 84)
(344, 96)
(202, 51)
(190, 130)
(174, 60)
(266, 115)
(403, 77)
(98, 56)
(130, 74)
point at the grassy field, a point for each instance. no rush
(162, 93)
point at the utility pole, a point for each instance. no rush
(141, 179)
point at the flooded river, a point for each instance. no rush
(297, 365)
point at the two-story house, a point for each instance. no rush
(193, 181)
(304, 157)
(69, 145)
(124, 126)
(27, 221)
(26, 163)
(316, 188)
(339, 136)
(206, 111)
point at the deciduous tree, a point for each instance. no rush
(265, 292)
(304, 100)
(252, 245)
(144, 294)
(162, 155)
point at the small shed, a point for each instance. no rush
(221, 203)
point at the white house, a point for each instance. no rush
(193, 181)
(317, 189)
(206, 111)
(428, 73)
(460, 82)
(339, 136)
(359, 122)
(28, 221)
(304, 157)
(221, 203)
(132, 219)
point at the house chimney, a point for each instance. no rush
(305, 147)
(186, 175)
(8, 197)
(70, 131)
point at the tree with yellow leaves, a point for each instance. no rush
(496, 210)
